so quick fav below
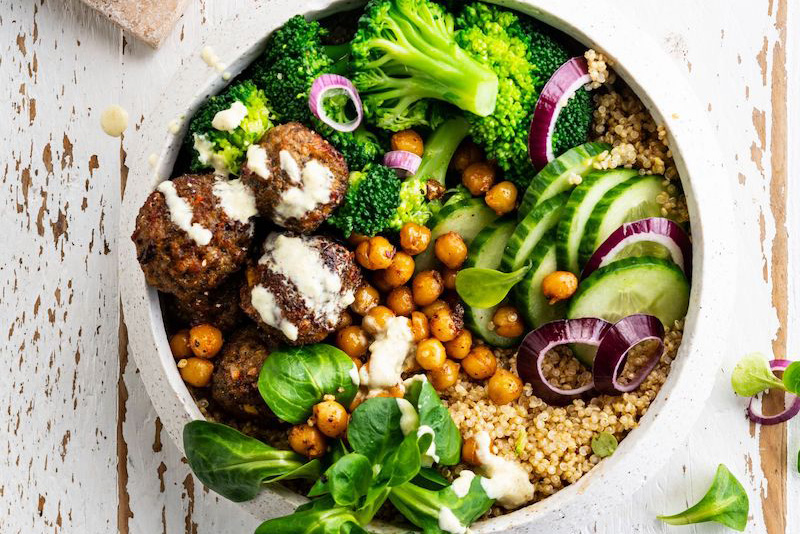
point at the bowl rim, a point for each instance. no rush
(666, 94)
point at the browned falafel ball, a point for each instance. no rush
(218, 306)
(299, 288)
(297, 176)
(193, 232)
(234, 384)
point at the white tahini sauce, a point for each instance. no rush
(313, 187)
(114, 120)
(207, 156)
(212, 60)
(258, 162)
(387, 354)
(180, 213)
(460, 486)
(264, 302)
(174, 126)
(229, 119)
(237, 200)
(354, 375)
(450, 523)
(152, 159)
(290, 166)
(429, 457)
(409, 420)
(505, 481)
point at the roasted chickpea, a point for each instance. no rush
(205, 340)
(449, 278)
(375, 320)
(466, 154)
(478, 178)
(357, 362)
(400, 301)
(458, 347)
(408, 140)
(451, 250)
(431, 354)
(435, 306)
(366, 297)
(356, 239)
(400, 271)
(196, 371)
(379, 281)
(445, 376)
(395, 392)
(504, 387)
(419, 326)
(480, 363)
(443, 326)
(331, 418)
(345, 320)
(426, 287)
(352, 340)
(559, 285)
(469, 452)
(376, 253)
(179, 345)
(507, 322)
(414, 238)
(308, 441)
(502, 198)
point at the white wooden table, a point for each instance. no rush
(81, 450)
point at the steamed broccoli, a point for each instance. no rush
(221, 149)
(404, 53)
(573, 123)
(370, 202)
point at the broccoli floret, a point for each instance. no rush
(370, 202)
(404, 53)
(573, 122)
(360, 147)
(224, 150)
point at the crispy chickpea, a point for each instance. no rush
(466, 154)
(502, 197)
(431, 354)
(431, 309)
(449, 278)
(559, 285)
(445, 376)
(179, 345)
(504, 387)
(379, 281)
(478, 178)
(443, 326)
(451, 250)
(426, 287)
(331, 418)
(375, 320)
(419, 326)
(357, 362)
(366, 297)
(205, 340)
(400, 271)
(469, 452)
(308, 441)
(356, 239)
(480, 363)
(458, 347)
(395, 392)
(400, 301)
(345, 320)
(376, 253)
(408, 140)
(507, 322)
(196, 371)
(352, 340)
(414, 238)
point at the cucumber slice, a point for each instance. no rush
(579, 209)
(466, 218)
(554, 178)
(528, 295)
(531, 230)
(644, 248)
(486, 251)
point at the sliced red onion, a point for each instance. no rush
(564, 82)
(328, 85)
(403, 161)
(757, 416)
(586, 331)
(654, 229)
(612, 353)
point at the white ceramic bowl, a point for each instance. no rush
(657, 81)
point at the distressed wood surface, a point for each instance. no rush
(81, 449)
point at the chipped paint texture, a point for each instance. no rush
(82, 449)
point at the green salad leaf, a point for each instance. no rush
(433, 414)
(374, 428)
(320, 516)
(725, 502)
(752, 375)
(604, 444)
(791, 378)
(484, 288)
(294, 379)
(349, 478)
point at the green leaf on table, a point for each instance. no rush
(725, 502)
(604, 444)
(791, 378)
(484, 288)
(435, 415)
(752, 375)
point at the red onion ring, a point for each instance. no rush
(617, 342)
(587, 331)
(656, 229)
(402, 160)
(564, 82)
(757, 416)
(333, 83)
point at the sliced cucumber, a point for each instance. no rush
(528, 296)
(531, 230)
(644, 248)
(486, 251)
(554, 178)
(579, 209)
(466, 218)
